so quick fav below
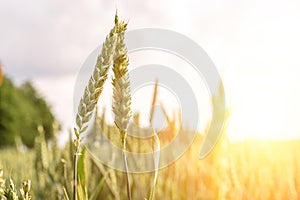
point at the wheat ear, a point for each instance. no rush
(92, 92)
(121, 95)
(94, 88)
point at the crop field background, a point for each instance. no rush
(80, 78)
(242, 170)
(249, 169)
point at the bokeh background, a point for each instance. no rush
(254, 44)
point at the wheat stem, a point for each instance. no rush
(126, 170)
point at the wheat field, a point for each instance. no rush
(241, 170)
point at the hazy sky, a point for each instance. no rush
(255, 45)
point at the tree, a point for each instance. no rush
(8, 113)
(22, 110)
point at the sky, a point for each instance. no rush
(254, 44)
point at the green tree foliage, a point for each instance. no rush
(21, 111)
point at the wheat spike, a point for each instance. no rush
(95, 85)
(25, 190)
(121, 85)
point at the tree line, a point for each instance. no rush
(22, 110)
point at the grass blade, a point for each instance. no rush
(98, 188)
